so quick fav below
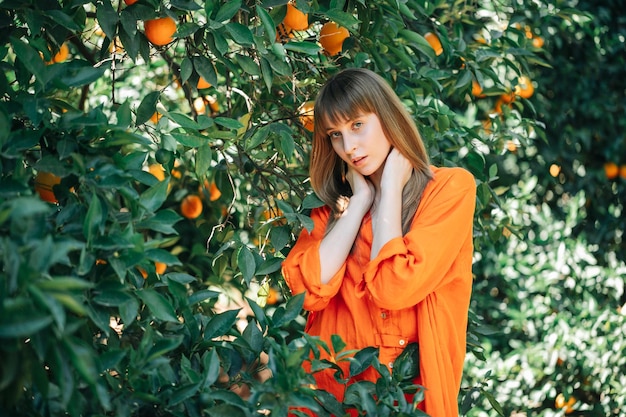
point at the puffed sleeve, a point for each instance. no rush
(409, 268)
(301, 269)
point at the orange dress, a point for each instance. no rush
(417, 289)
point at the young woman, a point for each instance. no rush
(389, 260)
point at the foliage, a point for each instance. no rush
(90, 322)
(582, 104)
(560, 324)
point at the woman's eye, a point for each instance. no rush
(334, 135)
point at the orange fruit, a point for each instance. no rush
(306, 115)
(332, 37)
(191, 206)
(143, 272)
(157, 170)
(497, 108)
(160, 267)
(199, 106)
(272, 296)
(434, 42)
(538, 41)
(622, 171)
(156, 117)
(295, 19)
(44, 183)
(283, 33)
(160, 31)
(555, 170)
(611, 170)
(129, 2)
(507, 98)
(213, 104)
(561, 403)
(212, 190)
(511, 146)
(202, 83)
(64, 52)
(477, 90)
(524, 88)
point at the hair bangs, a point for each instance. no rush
(342, 100)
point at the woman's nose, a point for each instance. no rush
(349, 143)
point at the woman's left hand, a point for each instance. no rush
(397, 171)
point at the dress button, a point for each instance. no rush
(402, 342)
(383, 315)
(390, 365)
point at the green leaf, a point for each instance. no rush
(287, 144)
(147, 107)
(268, 23)
(107, 18)
(203, 160)
(241, 34)
(289, 311)
(246, 264)
(155, 196)
(227, 11)
(64, 284)
(204, 67)
(23, 325)
(93, 220)
(30, 58)
(307, 48)
(163, 346)
(201, 296)
(228, 123)
(269, 266)
(268, 74)
(159, 306)
(220, 324)
(82, 357)
(163, 221)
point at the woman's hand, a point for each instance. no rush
(397, 171)
(363, 191)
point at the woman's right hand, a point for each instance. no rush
(363, 191)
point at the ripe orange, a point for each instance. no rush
(213, 104)
(507, 97)
(202, 83)
(44, 183)
(272, 296)
(555, 170)
(61, 55)
(295, 19)
(199, 106)
(434, 42)
(283, 33)
(611, 170)
(143, 272)
(332, 37)
(568, 405)
(129, 2)
(306, 115)
(160, 31)
(622, 171)
(157, 170)
(538, 41)
(524, 88)
(477, 90)
(156, 117)
(211, 189)
(160, 267)
(191, 206)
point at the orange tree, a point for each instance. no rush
(553, 296)
(153, 177)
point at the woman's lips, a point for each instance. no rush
(358, 161)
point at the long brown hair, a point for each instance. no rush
(346, 95)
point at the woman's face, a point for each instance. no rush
(361, 143)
